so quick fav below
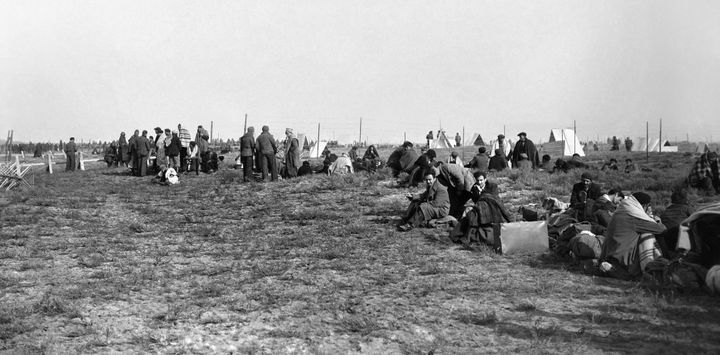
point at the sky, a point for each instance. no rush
(92, 69)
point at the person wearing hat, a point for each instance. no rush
(629, 242)
(247, 152)
(454, 159)
(71, 155)
(527, 147)
(142, 148)
(480, 161)
(266, 152)
(505, 146)
(292, 154)
(586, 184)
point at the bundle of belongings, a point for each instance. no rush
(167, 176)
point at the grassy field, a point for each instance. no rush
(100, 262)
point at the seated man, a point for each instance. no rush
(402, 159)
(454, 159)
(576, 162)
(627, 246)
(629, 166)
(498, 162)
(432, 204)
(341, 166)
(586, 184)
(481, 161)
(705, 174)
(605, 206)
(546, 163)
(678, 210)
(305, 169)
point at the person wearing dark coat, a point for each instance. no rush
(402, 159)
(526, 146)
(267, 149)
(247, 152)
(292, 154)
(434, 203)
(459, 182)
(131, 150)
(371, 159)
(305, 169)
(498, 162)
(70, 154)
(586, 184)
(172, 150)
(123, 150)
(142, 150)
(481, 161)
(482, 222)
(421, 165)
(111, 155)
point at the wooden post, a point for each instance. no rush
(17, 164)
(82, 163)
(360, 136)
(245, 126)
(50, 163)
(647, 140)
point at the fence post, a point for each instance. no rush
(82, 163)
(50, 163)
(17, 164)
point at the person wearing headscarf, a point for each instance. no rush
(629, 242)
(123, 150)
(527, 147)
(292, 154)
(705, 173)
(454, 159)
(133, 153)
(341, 166)
(371, 158)
(505, 146)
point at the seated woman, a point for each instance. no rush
(371, 159)
(433, 203)
(341, 166)
(482, 221)
(629, 243)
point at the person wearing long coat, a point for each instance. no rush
(266, 152)
(459, 182)
(123, 150)
(70, 154)
(526, 146)
(247, 152)
(292, 154)
(142, 150)
(434, 203)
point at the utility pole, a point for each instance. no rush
(661, 141)
(245, 126)
(211, 133)
(360, 136)
(574, 134)
(317, 151)
(647, 140)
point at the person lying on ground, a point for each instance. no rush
(610, 165)
(576, 162)
(628, 246)
(433, 203)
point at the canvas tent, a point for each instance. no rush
(563, 142)
(701, 147)
(653, 146)
(477, 139)
(442, 141)
(304, 141)
(314, 150)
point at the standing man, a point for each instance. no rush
(172, 149)
(247, 151)
(458, 139)
(70, 153)
(201, 139)
(133, 153)
(159, 146)
(428, 138)
(505, 146)
(185, 138)
(267, 149)
(526, 146)
(142, 150)
(292, 154)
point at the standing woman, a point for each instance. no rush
(123, 150)
(292, 153)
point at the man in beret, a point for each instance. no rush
(628, 245)
(586, 184)
(526, 146)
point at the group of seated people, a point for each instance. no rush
(348, 163)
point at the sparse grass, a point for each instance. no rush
(115, 263)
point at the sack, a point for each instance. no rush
(529, 214)
(587, 245)
(684, 275)
(523, 237)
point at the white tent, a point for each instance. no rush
(563, 142)
(653, 146)
(477, 139)
(304, 141)
(442, 141)
(315, 150)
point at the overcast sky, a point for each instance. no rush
(95, 68)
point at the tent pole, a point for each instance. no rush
(661, 142)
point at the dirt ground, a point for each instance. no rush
(98, 261)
